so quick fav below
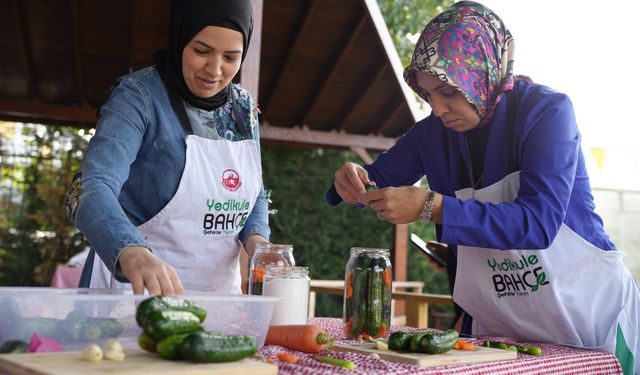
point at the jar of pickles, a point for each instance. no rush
(367, 293)
(267, 255)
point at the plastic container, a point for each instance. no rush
(292, 285)
(367, 293)
(61, 313)
(267, 255)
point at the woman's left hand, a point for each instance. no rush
(397, 205)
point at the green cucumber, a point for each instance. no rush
(147, 343)
(161, 324)
(204, 347)
(14, 346)
(169, 347)
(532, 350)
(400, 341)
(163, 303)
(358, 301)
(375, 285)
(435, 342)
(369, 187)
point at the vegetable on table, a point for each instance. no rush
(308, 338)
(337, 362)
(463, 345)
(112, 349)
(532, 350)
(288, 358)
(159, 303)
(91, 353)
(205, 347)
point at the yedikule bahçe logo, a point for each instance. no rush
(519, 277)
(231, 180)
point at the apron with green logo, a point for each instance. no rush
(197, 231)
(571, 293)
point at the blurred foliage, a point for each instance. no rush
(409, 17)
(35, 236)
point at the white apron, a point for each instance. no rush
(197, 231)
(571, 293)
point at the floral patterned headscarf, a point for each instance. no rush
(468, 47)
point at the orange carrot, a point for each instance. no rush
(309, 338)
(258, 275)
(289, 358)
(383, 330)
(347, 327)
(463, 345)
(387, 277)
(271, 360)
(349, 291)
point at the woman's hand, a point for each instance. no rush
(252, 241)
(145, 270)
(397, 205)
(349, 181)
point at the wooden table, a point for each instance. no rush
(555, 359)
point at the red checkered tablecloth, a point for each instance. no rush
(555, 359)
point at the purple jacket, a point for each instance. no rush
(544, 146)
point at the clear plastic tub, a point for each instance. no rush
(67, 315)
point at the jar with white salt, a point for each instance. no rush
(292, 285)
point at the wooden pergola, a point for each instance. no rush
(325, 72)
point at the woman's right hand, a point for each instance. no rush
(349, 182)
(144, 270)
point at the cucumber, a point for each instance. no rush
(434, 342)
(163, 303)
(400, 341)
(169, 347)
(204, 347)
(14, 346)
(375, 285)
(161, 324)
(532, 350)
(147, 343)
(109, 327)
(358, 300)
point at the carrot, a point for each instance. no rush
(347, 327)
(258, 275)
(309, 338)
(463, 345)
(289, 358)
(349, 291)
(387, 277)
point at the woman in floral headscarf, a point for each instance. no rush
(505, 169)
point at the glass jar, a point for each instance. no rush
(367, 293)
(292, 285)
(267, 255)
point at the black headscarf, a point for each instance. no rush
(189, 17)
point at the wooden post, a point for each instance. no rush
(400, 243)
(249, 80)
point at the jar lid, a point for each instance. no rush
(268, 247)
(369, 250)
(287, 271)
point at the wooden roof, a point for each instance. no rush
(325, 71)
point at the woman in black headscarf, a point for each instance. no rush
(172, 178)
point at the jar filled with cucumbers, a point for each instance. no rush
(367, 293)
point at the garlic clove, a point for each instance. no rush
(92, 353)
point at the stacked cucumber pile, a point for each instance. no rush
(423, 342)
(171, 327)
(367, 303)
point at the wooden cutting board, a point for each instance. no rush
(452, 357)
(137, 362)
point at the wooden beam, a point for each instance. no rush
(363, 154)
(285, 65)
(392, 55)
(250, 69)
(24, 39)
(77, 51)
(400, 258)
(358, 98)
(317, 138)
(382, 125)
(45, 113)
(329, 76)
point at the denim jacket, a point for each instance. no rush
(134, 163)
